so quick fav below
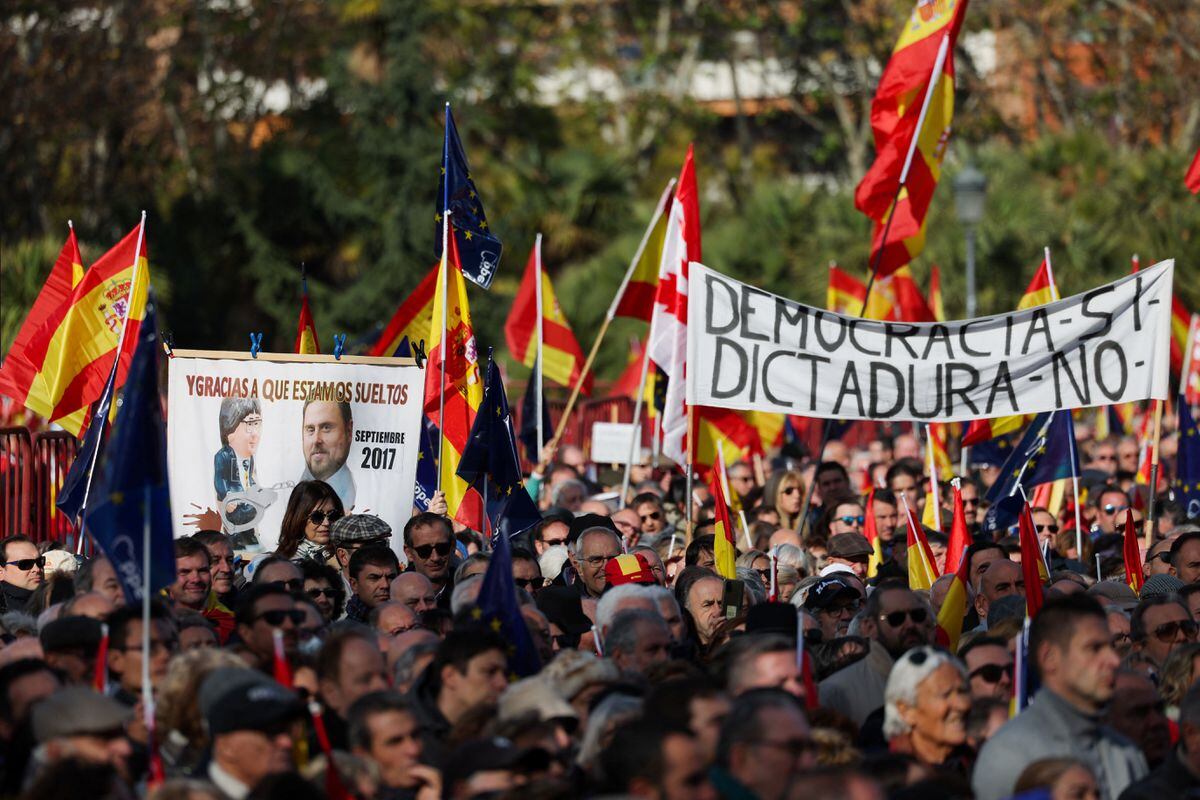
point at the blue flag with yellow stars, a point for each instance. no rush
(490, 463)
(1186, 486)
(478, 250)
(1045, 453)
(130, 505)
(497, 607)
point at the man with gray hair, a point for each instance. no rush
(1179, 774)
(590, 554)
(668, 609)
(621, 598)
(637, 640)
(764, 746)
(763, 661)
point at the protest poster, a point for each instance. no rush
(242, 432)
(752, 350)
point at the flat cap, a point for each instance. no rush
(360, 528)
(77, 711)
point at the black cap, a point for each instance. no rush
(70, 633)
(825, 591)
(245, 700)
(772, 618)
(495, 754)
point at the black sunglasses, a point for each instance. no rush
(294, 585)
(276, 617)
(330, 593)
(1167, 632)
(896, 618)
(1051, 528)
(528, 584)
(320, 517)
(426, 550)
(992, 672)
(26, 564)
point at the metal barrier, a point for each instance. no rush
(53, 453)
(16, 481)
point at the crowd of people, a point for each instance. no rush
(336, 667)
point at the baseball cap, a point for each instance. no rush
(825, 591)
(628, 568)
(234, 699)
(360, 529)
(78, 711)
(849, 545)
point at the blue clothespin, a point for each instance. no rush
(339, 344)
(255, 344)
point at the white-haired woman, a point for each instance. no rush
(925, 708)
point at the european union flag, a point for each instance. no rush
(478, 250)
(71, 497)
(489, 461)
(130, 508)
(992, 453)
(528, 436)
(1045, 453)
(1186, 485)
(497, 606)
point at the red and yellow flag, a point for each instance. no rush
(724, 535)
(846, 293)
(1133, 555)
(458, 380)
(1041, 290)
(412, 318)
(954, 606)
(725, 430)
(20, 375)
(307, 340)
(923, 55)
(960, 533)
(76, 350)
(1033, 566)
(562, 358)
(922, 569)
(937, 303)
(637, 298)
(910, 302)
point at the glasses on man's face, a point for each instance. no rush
(321, 517)
(653, 515)
(849, 520)
(1169, 631)
(252, 424)
(554, 542)
(896, 618)
(598, 562)
(992, 673)
(1051, 527)
(317, 592)
(1110, 508)
(424, 551)
(970, 501)
(528, 584)
(26, 564)
(277, 617)
(841, 609)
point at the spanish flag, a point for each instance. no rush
(910, 302)
(307, 341)
(20, 375)
(73, 353)
(846, 293)
(871, 532)
(726, 431)
(922, 571)
(412, 319)
(1033, 566)
(453, 371)
(636, 298)
(937, 303)
(768, 425)
(954, 607)
(562, 358)
(1133, 555)
(924, 55)
(724, 547)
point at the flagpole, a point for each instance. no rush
(147, 693)
(691, 466)
(537, 365)
(938, 64)
(609, 316)
(137, 260)
(1158, 407)
(445, 289)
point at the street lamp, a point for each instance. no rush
(970, 192)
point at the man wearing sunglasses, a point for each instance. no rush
(263, 609)
(989, 667)
(20, 573)
(429, 545)
(649, 509)
(894, 621)
(1159, 625)
(1110, 508)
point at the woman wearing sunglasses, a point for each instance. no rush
(785, 492)
(311, 511)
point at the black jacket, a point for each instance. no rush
(1171, 779)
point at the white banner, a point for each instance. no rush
(242, 432)
(751, 350)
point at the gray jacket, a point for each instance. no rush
(857, 690)
(1053, 728)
